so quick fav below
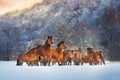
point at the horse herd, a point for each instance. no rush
(45, 55)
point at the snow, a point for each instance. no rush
(9, 71)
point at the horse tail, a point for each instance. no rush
(102, 58)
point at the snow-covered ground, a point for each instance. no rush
(9, 71)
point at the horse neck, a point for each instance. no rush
(59, 49)
(90, 52)
(47, 46)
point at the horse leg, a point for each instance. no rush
(33, 63)
(54, 62)
(44, 62)
(36, 63)
(81, 62)
(70, 62)
(64, 62)
(59, 63)
(41, 63)
(90, 62)
(100, 62)
(49, 60)
(18, 63)
(77, 61)
(21, 62)
(28, 63)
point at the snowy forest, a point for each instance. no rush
(80, 23)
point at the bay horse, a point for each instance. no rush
(30, 57)
(89, 57)
(57, 54)
(73, 56)
(45, 51)
(36, 54)
(98, 58)
(77, 57)
(68, 57)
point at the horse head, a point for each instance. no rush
(62, 45)
(49, 41)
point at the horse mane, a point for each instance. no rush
(60, 43)
(46, 45)
(39, 46)
(58, 46)
(46, 42)
(30, 50)
(33, 49)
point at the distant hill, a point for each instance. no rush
(81, 23)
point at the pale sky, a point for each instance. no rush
(14, 5)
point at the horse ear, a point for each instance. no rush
(48, 36)
(62, 41)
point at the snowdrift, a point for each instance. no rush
(9, 71)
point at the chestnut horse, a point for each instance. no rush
(98, 58)
(57, 55)
(45, 51)
(30, 57)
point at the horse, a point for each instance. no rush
(73, 56)
(30, 57)
(57, 55)
(37, 53)
(89, 57)
(68, 57)
(77, 57)
(98, 58)
(45, 51)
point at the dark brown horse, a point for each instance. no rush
(98, 58)
(45, 51)
(30, 57)
(57, 54)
